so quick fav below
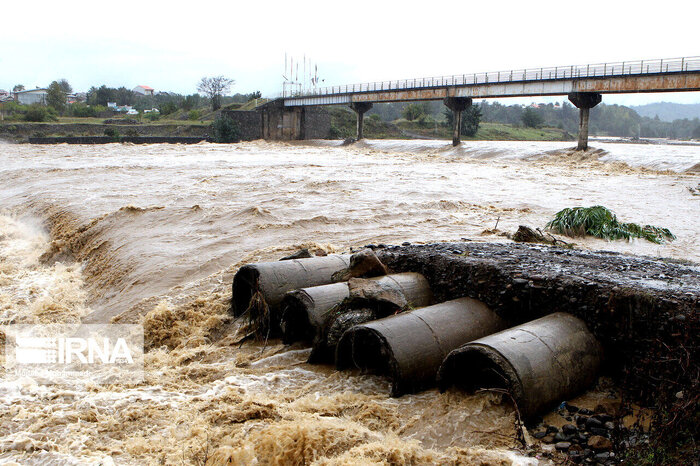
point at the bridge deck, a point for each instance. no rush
(664, 75)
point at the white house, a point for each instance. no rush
(31, 96)
(143, 90)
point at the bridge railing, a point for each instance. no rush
(638, 67)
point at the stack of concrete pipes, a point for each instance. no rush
(458, 343)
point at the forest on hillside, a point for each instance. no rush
(606, 120)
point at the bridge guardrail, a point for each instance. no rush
(638, 67)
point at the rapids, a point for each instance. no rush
(153, 234)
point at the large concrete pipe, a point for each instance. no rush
(541, 362)
(321, 314)
(306, 311)
(409, 347)
(259, 288)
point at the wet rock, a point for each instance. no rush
(592, 422)
(560, 437)
(363, 264)
(569, 407)
(539, 435)
(580, 420)
(569, 429)
(526, 234)
(609, 425)
(549, 438)
(300, 254)
(603, 457)
(562, 446)
(552, 429)
(599, 443)
(586, 412)
(406, 243)
(603, 418)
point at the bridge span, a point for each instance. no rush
(583, 84)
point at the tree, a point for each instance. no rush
(413, 111)
(65, 87)
(56, 97)
(531, 118)
(214, 88)
(191, 102)
(18, 88)
(696, 132)
(471, 117)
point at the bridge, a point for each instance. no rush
(583, 84)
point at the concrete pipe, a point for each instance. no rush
(305, 312)
(260, 287)
(410, 347)
(540, 363)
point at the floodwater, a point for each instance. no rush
(153, 234)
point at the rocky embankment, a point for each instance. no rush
(643, 310)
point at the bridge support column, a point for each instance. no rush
(360, 108)
(585, 101)
(457, 105)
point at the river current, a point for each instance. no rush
(153, 234)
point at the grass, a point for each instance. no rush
(487, 132)
(600, 222)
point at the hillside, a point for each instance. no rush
(668, 111)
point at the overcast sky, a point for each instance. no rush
(171, 45)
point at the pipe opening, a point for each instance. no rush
(474, 368)
(366, 350)
(295, 322)
(245, 286)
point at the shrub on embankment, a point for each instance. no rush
(600, 222)
(225, 130)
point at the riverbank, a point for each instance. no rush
(22, 131)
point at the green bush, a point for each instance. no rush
(39, 113)
(81, 110)
(600, 222)
(113, 134)
(194, 115)
(167, 108)
(153, 116)
(224, 129)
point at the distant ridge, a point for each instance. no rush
(668, 111)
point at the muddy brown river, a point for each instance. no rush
(153, 235)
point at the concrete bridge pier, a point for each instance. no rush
(360, 108)
(585, 101)
(457, 105)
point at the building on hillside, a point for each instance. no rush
(5, 96)
(143, 90)
(31, 96)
